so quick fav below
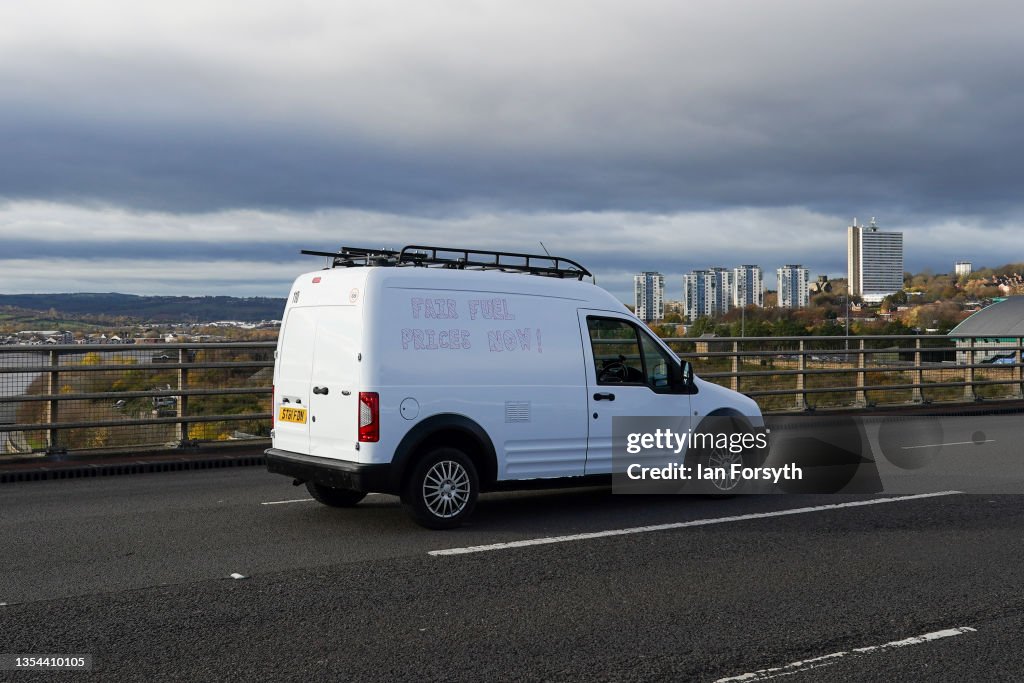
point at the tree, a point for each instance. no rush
(700, 326)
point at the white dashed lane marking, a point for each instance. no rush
(302, 500)
(835, 657)
(681, 525)
(951, 443)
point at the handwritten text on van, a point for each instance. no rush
(498, 340)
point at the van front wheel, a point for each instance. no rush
(336, 498)
(442, 490)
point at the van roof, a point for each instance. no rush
(334, 285)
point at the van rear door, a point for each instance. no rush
(334, 394)
(291, 383)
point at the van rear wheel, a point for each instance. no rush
(442, 490)
(336, 498)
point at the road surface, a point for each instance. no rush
(137, 571)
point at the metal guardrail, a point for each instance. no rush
(807, 373)
(70, 398)
(106, 398)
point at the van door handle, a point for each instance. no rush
(604, 397)
(323, 391)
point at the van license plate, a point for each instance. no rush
(297, 415)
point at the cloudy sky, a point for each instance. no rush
(194, 147)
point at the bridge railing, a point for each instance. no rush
(806, 373)
(110, 398)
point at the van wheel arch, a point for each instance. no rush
(449, 429)
(738, 418)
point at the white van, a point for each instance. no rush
(435, 374)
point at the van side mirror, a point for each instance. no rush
(679, 375)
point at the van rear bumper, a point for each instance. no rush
(339, 474)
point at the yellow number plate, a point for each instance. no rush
(297, 415)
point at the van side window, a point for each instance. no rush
(616, 348)
(656, 363)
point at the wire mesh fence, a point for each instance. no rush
(56, 399)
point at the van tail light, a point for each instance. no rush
(273, 407)
(369, 416)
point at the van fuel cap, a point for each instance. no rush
(410, 408)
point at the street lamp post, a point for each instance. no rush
(847, 325)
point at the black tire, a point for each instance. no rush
(336, 498)
(718, 456)
(442, 489)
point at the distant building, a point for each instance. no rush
(747, 286)
(821, 285)
(722, 301)
(793, 289)
(707, 293)
(674, 307)
(964, 268)
(874, 261)
(993, 332)
(649, 296)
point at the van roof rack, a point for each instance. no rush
(456, 259)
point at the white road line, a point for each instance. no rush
(825, 660)
(951, 443)
(680, 525)
(301, 500)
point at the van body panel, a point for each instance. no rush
(508, 359)
(711, 397)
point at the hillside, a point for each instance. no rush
(149, 308)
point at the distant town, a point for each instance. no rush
(218, 331)
(876, 297)
(110, 318)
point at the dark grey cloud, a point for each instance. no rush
(653, 134)
(913, 107)
(176, 252)
(942, 168)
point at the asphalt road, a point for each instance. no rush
(135, 571)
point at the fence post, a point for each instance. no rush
(918, 394)
(861, 398)
(182, 403)
(734, 381)
(53, 405)
(1018, 371)
(969, 394)
(801, 395)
